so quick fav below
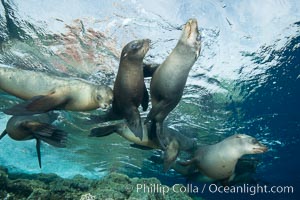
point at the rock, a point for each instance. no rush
(3, 178)
(21, 188)
(39, 194)
(114, 186)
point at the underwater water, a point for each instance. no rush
(246, 80)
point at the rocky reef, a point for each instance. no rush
(114, 186)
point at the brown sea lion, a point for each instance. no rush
(244, 172)
(129, 88)
(218, 161)
(36, 127)
(45, 92)
(169, 79)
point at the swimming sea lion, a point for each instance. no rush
(46, 92)
(243, 173)
(35, 127)
(129, 88)
(218, 161)
(170, 77)
(176, 141)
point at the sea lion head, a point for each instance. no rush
(136, 50)
(103, 95)
(191, 36)
(246, 144)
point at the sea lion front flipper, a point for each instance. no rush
(3, 134)
(171, 154)
(145, 101)
(38, 104)
(103, 131)
(149, 69)
(46, 133)
(38, 151)
(134, 123)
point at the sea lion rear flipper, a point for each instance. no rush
(161, 136)
(46, 133)
(155, 110)
(38, 104)
(134, 123)
(156, 132)
(191, 170)
(145, 101)
(38, 151)
(103, 131)
(171, 154)
(140, 147)
(3, 134)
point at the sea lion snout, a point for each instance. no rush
(104, 106)
(191, 36)
(146, 45)
(260, 148)
(193, 22)
(249, 144)
(147, 41)
(191, 28)
(257, 146)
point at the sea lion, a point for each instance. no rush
(218, 161)
(36, 127)
(170, 77)
(176, 141)
(47, 92)
(148, 69)
(129, 88)
(243, 173)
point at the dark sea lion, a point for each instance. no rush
(218, 161)
(46, 92)
(176, 141)
(129, 88)
(36, 127)
(169, 79)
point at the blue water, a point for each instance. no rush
(247, 80)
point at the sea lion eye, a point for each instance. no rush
(99, 97)
(254, 141)
(136, 45)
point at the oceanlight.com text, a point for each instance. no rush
(250, 189)
(215, 189)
